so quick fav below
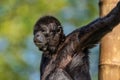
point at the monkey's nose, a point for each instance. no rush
(36, 40)
(39, 38)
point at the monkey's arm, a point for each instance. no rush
(93, 32)
(44, 62)
(57, 74)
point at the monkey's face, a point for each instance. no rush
(47, 36)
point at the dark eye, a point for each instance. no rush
(43, 30)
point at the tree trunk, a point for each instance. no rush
(109, 68)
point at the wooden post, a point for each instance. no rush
(109, 66)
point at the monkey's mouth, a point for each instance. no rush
(42, 46)
(43, 49)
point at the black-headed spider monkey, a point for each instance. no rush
(66, 57)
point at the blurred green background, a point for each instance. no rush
(19, 57)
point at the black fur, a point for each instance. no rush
(66, 57)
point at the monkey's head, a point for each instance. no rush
(48, 34)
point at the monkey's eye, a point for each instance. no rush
(42, 30)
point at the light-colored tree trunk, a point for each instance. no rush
(109, 68)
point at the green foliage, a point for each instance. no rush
(19, 58)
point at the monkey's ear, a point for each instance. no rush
(59, 30)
